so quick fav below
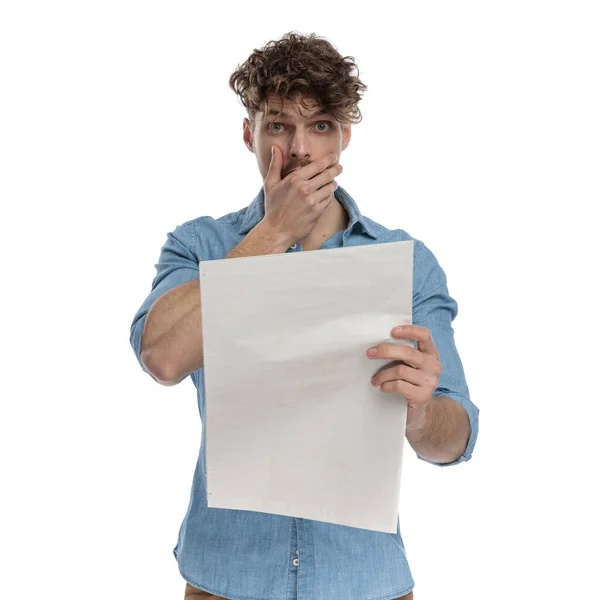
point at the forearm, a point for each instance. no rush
(443, 434)
(172, 336)
(260, 241)
(172, 344)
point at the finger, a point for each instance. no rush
(408, 354)
(274, 173)
(400, 387)
(421, 335)
(331, 187)
(327, 176)
(401, 372)
(314, 168)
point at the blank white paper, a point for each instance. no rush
(293, 425)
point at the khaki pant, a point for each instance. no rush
(194, 593)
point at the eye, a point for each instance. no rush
(328, 125)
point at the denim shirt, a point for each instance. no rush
(248, 555)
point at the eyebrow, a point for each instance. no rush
(286, 115)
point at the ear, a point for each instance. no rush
(346, 134)
(248, 137)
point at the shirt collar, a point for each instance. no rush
(256, 212)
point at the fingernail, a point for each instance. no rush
(372, 352)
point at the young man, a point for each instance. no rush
(301, 96)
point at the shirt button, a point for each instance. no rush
(296, 551)
(296, 562)
(293, 246)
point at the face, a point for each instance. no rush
(302, 134)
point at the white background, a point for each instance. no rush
(480, 137)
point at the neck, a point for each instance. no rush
(334, 219)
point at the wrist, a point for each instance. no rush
(275, 236)
(418, 424)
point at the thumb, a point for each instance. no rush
(274, 173)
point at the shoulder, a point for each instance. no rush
(207, 223)
(384, 234)
(211, 236)
(426, 266)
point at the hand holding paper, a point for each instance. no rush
(417, 375)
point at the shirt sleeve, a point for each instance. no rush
(435, 309)
(177, 264)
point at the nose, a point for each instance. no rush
(299, 150)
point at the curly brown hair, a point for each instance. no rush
(299, 66)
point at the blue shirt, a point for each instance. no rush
(248, 555)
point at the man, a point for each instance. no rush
(301, 97)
